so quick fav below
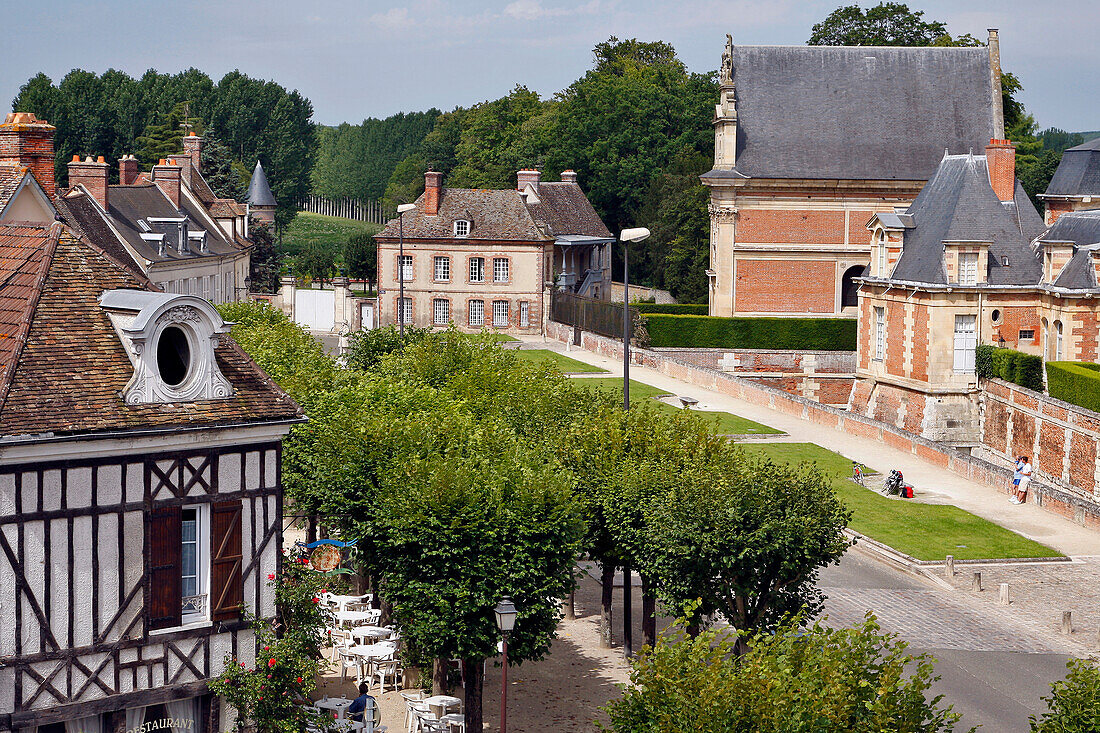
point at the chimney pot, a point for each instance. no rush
(76, 158)
(528, 176)
(27, 141)
(127, 170)
(92, 175)
(569, 176)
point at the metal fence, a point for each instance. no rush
(358, 209)
(589, 314)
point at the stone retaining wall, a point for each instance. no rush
(1072, 505)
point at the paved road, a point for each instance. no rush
(993, 670)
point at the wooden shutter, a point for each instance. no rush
(226, 585)
(163, 546)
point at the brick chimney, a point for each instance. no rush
(433, 190)
(528, 176)
(127, 170)
(92, 174)
(184, 162)
(167, 177)
(569, 176)
(192, 148)
(27, 141)
(1000, 156)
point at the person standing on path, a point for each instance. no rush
(1025, 479)
(1016, 478)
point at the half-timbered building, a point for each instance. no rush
(139, 493)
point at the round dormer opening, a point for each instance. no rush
(173, 356)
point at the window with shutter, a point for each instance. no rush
(226, 586)
(163, 546)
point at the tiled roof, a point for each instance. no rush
(70, 373)
(129, 204)
(10, 178)
(1083, 229)
(201, 188)
(566, 210)
(24, 254)
(857, 113)
(82, 214)
(225, 208)
(493, 215)
(958, 205)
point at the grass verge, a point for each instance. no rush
(727, 423)
(331, 231)
(565, 364)
(925, 531)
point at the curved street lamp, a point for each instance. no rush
(627, 236)
(401, 209)
(505, 613)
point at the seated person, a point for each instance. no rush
(364, 703)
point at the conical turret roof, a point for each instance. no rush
(259, 193)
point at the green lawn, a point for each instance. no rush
(564, 364)
(727, 424)
(331, 231)
(925, 531)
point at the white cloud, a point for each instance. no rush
(392, 19)
(533, 10)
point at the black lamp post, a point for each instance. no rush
(401, 209)
(505, 612)
(627, 236)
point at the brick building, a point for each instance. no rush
(1075, 185)
(485, 259)
(968, 263)
(809, 142)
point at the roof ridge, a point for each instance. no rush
(8, 374)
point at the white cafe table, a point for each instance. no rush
(373, 651)
(338, 705)
(353, 617)
(444, 702)
(342, 602)
(453, 720)
(370, 632)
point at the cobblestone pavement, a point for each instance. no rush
(1039, 593)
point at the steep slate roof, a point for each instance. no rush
(259, 193)
(1083, 229)
(861, 113)
(1078, 173)
(128, 204)
(69, 374)
(958, 205)
(565, 209)
(493, 215)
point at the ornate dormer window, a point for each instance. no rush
(170, 340)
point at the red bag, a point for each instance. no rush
(907, 492)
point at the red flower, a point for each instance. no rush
(267, 648)
(316, 600)
(299, 679)
(242, 665)
(271, 662)
(261, 697)
(271, 576)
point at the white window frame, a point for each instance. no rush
(405, 268)
(1057, 341)
(502, 314)
(476, 315)
(524, 314)
(441, 311)
(502, 270)
(202, 561)
(462, 228)
(230, 293)
(404, 310)
(965, 342)
(968, 268)
(881, 254)
(477, 269)
(441, 268)
(880, 333)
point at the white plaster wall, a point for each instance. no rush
(30, 489)
(229, 472)
(248, 533)
(78, 488)
(134, 532)
(34, 570)
(7, 599)
(7, 495)
(221, 645)
(60, 579)
(109, 485)
(135, 482)
(7, 689)
(252, 470)
(51, 490)
(267, 566)
(109, 572)
(83, 554)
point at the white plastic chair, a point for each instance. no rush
(386, 668)
(350, 661)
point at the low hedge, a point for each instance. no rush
(1075, 382)
(1010, 365)
(800, 334)
(680, 309)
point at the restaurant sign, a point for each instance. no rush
(178, 724)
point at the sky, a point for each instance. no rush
(372, 59)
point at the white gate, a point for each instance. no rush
(314, 309)
(366, 316)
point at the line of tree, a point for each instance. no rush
(112, 114)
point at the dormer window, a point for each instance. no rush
(462, 228)
(171, 341)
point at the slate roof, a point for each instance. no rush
(858, 113)
(129, 204)
(80, 212)
(958, 205)
(565, 209)
(69, 374)
(493, 215)
(259, 192)
(1083, 229)
(1078, 174)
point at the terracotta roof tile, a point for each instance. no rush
(225, 208)
(24, 255)
(10, 178)
(566, 210)
(493, 215)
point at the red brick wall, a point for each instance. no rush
(834, 391)
(920, 342)
(995, 429)
(1013, 320)
(914, 413)
(30, 144)
(1052, 441)
(857, 227)
(785, 286)
(895, 337)
(1023, 434)
(802, 227)
(1083, 325)
(1056, 209)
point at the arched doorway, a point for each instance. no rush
(849, 288)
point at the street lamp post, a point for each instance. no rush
(627, 236)
(401, 209)
(505, 612)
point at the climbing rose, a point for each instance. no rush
(271, 662)
(271, 576)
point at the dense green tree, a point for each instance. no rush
(498, 135)
(264, 260)
(164, 137)
(886, 24)
(1060, 140)
(218, 170)
(1074, 702)
(361, 258)
(856, 680)
(316, 260)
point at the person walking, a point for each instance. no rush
(1025, 480)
